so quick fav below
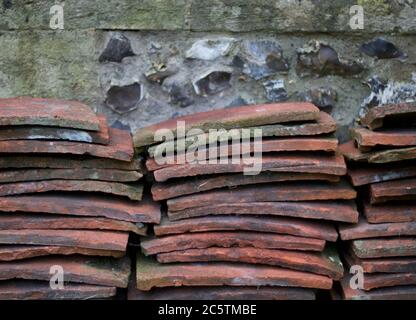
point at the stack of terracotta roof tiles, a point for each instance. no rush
(228, 235)
(383, 243)
(68, 186)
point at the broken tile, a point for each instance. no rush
(56, 133)
(180, 187)
(340, 211)
(282, 225)
(221, 293)
(59, 162)
(363, 229)
(325, 263)
(233, 149)
(404, 189)
(367, 139)
(115, 175)
(47, 112)
(373, 173)
(145, 211)
(384, 247)
(324, 124)
(131, 191)
(91, 270)
(41, 290)
(226, 239)
(153, 275)
(352, 153)
(18, 221)
(20, 252)
(238, 117)
(397, 212)
(91, 239)
(119, 148)
(299, 162)
(396, 293)
(286, 191)
(383, 115)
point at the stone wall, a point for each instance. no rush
(143, 61)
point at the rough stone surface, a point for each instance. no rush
(145, 211)
(47, 112)
(238, 117)
(282, 225)
(114, 175)
(119, 148)
(217, 274)
(180, 187)
(396, 212)
(299, 162)
(363, 229)
(341, 211)
(56, 133)
(90, 270)
(19, 221)
(404, 189)
(381, 116)
(228, 239)
(286, 191)
(381, 248)
(39, 290)
(326, 263)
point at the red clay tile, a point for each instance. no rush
(289, 191)
(325, 263)
(47, 112)
(217, 274)
(238, 117)
(367, 139)
(282, 225)
(384, 247)
(404, 189)
(226, 239)
(340, 211)
(377, 116)
(396, 212)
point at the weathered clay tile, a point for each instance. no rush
(115, 175)
(55, 133)
(384, 247)
(238, 117)
(378, 116)
(391, 138)
(293, 191)
(102, 240)
(363, 229)
(91, 270)
(184, 186)
(366, 174)
(131, 191)
(19, 252)
(396, 212)
(290, 144)
(151, 274)
(304, 163)
(282, 225)
(340, 211)
(382, 265)
(47, 112)
(323, 125)
(326, 263)
(59, 162)
(18, 221)
(352, 153)
(119, 148)
(392, 293)
(41, 290)
(201, 240)
(145, 211)
(221, 293)
(404, 189)
(374, 281)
